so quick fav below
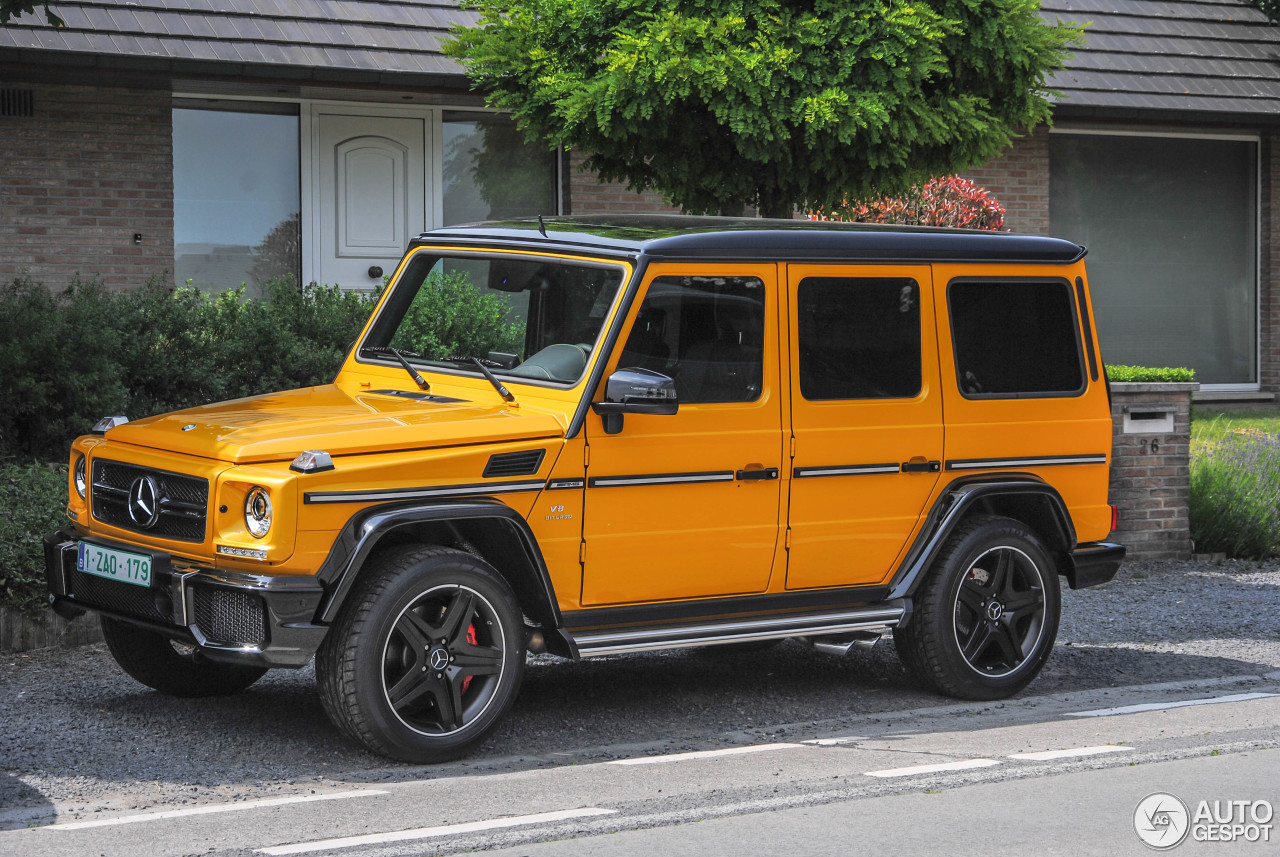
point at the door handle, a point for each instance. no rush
(919, 465)
(766, 473)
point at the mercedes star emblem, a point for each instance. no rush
(144, 502)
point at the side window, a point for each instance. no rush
(859, 337)
(1015, 339)
(705, 332)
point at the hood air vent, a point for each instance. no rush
(514, 463)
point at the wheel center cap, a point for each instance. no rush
(438, 659)
(995, 610)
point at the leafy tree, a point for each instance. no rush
(13, 8)
(778, 103)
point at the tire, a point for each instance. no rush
(986, 616)
(426, 656)
(162, 665)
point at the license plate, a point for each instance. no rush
(112, 564)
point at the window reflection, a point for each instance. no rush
(236, 198)
(491, 173)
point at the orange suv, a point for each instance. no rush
(716, 432)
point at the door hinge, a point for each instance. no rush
(793, 446)
(582, 553)
(586, 455)
(786, 540)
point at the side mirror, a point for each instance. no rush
(635, 391)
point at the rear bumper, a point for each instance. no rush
(250, 619)
(1094, 563)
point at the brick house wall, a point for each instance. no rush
(1269, 250)
(1019, 180)
(588, 196)
(90, 169)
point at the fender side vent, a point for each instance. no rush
(524, 463)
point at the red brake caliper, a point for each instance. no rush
(471, 638)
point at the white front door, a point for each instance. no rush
(372, 195)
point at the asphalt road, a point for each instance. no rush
(80, 743)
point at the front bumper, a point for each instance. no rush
(1094, 563)
(249, 619)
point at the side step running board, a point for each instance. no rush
(597, 643)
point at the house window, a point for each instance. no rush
(491, 172)
(1171, 227)
(236, 195)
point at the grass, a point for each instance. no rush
(1211, 425)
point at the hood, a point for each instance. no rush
(277, 426)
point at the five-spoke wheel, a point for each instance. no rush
(986, 617)
(426, 656)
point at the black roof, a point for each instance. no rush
(342, 41)
(1184, 56)
(673, 236)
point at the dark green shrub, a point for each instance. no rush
(75, 356)
(1161, 375)
(1235, 496)
(34, 500)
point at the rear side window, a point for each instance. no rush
(859, 337)
(1015, 338)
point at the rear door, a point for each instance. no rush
(866, 416)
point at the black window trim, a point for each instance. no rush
(920, 320)
(1075, 320)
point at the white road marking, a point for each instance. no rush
(430, 832)
(701, 754)
(964, 765)
(834, 742)
(1160, 706)
(1070, 754)
(208, 810)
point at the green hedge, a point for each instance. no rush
(74, 356)
(1149, 375)
(34, 500)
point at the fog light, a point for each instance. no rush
(243, 553)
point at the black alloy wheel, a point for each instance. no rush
(986, 615)
(426, 656)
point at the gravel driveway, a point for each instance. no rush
(76, 731)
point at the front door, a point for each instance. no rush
(687, 505)
(372, 198)
(866, 411)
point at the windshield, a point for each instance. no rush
(525, 317)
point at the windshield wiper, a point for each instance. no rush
(399, 355)
(506, 394)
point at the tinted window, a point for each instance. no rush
(859, 337)
(1015, 338)
(705, 332)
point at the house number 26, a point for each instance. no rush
(1154, 447)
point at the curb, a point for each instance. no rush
(23, 632)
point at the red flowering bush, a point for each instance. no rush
(944, 201)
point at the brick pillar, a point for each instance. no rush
(1019, 180)
(89, 170)
(1150, 468)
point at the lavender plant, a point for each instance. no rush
(1235, 495)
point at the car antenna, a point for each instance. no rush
(542, 227)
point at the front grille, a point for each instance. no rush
(183, 501)
(523, 463)
(140, 602)
(228, 616)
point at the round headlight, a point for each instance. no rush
(82, 476)
(257, 512)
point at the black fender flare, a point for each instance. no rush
(958, 499)
(362, 534)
